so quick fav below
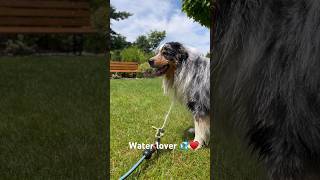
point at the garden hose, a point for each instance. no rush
(147, 153)
(133, 168)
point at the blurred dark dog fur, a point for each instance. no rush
(267, 77)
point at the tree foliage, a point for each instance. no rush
(150, 41)
(134, 54)
(142, 43)
(199, 10)
(155, 38)
(117, 40)
(120, 15)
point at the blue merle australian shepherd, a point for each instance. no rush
(187, 76)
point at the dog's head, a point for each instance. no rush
(168, 58)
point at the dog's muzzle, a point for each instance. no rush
(159, 70)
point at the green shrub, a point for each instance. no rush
(145, 70)
(18, 47)
(116, 55)
(133, 54)
(144, 67)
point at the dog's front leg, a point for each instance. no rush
(202, 131)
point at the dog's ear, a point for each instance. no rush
(182, 55)
(176, 51)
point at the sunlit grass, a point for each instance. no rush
(136, 105)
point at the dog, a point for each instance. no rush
(187, 75)
(266, 81)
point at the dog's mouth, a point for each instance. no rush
(161, 70)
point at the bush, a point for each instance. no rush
(115, 55)
(133, 54)
(18, 47)
(144, 67)
(146, 70)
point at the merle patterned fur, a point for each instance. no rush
(191, 81)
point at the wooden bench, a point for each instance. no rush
(45, 16)
(127, 67)
(116, 66)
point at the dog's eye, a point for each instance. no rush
(165, 53)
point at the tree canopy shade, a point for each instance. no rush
(199, 10)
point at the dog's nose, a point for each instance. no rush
(151, 62)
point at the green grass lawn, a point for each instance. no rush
(136, 105)
(53, 117)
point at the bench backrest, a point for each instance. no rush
(116, 66)
(45, 16)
